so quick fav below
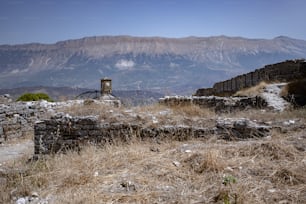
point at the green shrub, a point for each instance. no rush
(34, 97)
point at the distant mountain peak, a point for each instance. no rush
(283, 37)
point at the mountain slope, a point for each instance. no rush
(152, 63)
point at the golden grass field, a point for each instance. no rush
(266, 170)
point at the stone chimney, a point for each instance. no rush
(106, 86)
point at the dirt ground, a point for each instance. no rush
(15, 150)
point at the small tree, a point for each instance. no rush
(34, 97)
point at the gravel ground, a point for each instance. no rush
(9, 152)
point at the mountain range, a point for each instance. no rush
(167, 65)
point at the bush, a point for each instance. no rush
(34, 97)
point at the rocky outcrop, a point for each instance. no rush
(63, 132)
(287, 71)
(5, 99)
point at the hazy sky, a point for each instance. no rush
(49, 21)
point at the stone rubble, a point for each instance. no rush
(32, 199)
(5, 99)
(241, 128)
(271, 95)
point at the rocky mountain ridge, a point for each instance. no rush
(151, 63)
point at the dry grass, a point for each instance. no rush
(270, 116)
(194, 171)
(268, 170)
(252, 91)
(151, 115)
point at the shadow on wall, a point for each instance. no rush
(298, 90)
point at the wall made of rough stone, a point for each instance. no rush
(280, 72)
(62, 133)
(219, 104)
(17, 119)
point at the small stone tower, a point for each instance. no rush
(106, 86)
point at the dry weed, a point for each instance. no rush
(252, 91)
(268, 170)
(89, 109)
(209, 161)
(193, 111)
(270, 116)
(143, 172)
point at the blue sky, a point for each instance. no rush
(49, 21)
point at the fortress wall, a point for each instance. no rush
(286, 71)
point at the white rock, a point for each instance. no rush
(21, 201)
(68, 116)
(271, 95)
(271, 190)
(165, 112)
(176, 163)
(34, 194)
(44, 104)
(291, 121)
(154, 120)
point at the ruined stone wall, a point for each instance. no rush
(17, 119)
(219, 104)
(280, 72)
(64, 132)
(61, 133)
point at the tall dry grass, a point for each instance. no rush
(268, 170)
(271, 170)
(252, 91)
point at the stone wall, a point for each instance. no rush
(63, 132)
(280, 72)
(17, 119)
(219, 104)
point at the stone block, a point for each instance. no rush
(240, 128)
